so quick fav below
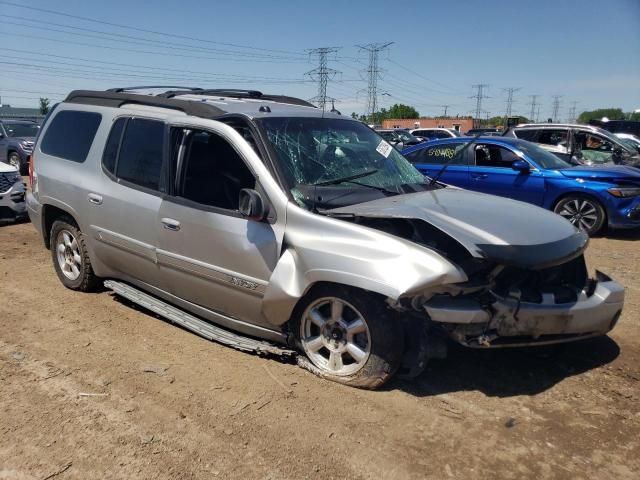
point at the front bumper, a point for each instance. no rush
(12, 203)
(509, 322)
(625, 213)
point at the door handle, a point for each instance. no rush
(95, 198)
(170, 224)
(479, 176)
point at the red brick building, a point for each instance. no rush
(463, 124)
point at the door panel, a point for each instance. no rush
(430, 161)
(492, 173)
(211, 255)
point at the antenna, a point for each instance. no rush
(373, 73)
(321, 74)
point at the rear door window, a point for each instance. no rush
(113, 144)
(528, 134)
(70, 135)
(556, 138)
(141, 153)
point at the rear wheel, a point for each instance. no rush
(70, 256)
(349, 336)
(583, 212)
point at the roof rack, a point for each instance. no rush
(112, 98)
(144, 87)
(239, 93)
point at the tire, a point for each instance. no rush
(357, 327)
(14, 159)
(70, 257)
(585, 213)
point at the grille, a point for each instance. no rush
(7, 180)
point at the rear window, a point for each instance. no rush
(71, 134)
(140, 159)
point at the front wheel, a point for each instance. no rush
(584, 213)
(349, 336)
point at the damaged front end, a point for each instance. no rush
(515, 294)
(530, 307)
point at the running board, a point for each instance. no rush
(195, 324)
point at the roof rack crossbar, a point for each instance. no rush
(239, 93)
(142, 87)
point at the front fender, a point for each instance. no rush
(323, 249)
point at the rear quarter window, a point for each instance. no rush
(70, 135)
(529, 135)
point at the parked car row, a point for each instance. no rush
(16, 142)
(589, 198)
(308, 230)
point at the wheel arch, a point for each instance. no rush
(51, 213)
(581, 193)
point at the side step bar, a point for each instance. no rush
(195, 324)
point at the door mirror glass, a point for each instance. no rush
(521, 166)
(251, 204)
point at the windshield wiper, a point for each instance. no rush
(345, 179)
(380, 189)
(458, 154)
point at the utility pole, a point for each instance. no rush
(321, 74)
(572, 112)
(479, 97)
(532, 117)
(556, 107)
(445, 109)
(373, 73)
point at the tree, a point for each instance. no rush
(400, 110)
(610, 113)
(44, 106)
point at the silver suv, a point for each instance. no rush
(304, 229)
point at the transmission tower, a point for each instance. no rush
(509, 91)
(532, 116)
(446, 107)
(572, 112)
(556, 107)
(479, 97)
(373, 73)
(321, 74)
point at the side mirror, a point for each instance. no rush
(251, 205)
(521, 166)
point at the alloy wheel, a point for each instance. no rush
(68, 254)
(581, 212)
(335, 336)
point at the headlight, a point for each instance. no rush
(624, 192)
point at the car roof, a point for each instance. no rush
(556, 125)
(206, 103)
(507, 141)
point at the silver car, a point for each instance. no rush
(299, 230)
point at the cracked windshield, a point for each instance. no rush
(325, 151)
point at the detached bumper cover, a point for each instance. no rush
(507, 321)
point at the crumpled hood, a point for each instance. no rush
(507, 231)
(614, 173)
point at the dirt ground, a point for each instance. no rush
(93, 388)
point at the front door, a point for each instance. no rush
(492, 173)
(430, 160)
(210, 254)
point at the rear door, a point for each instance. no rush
(124, 205)
(491, 172)
(430, 160)
(210, 254)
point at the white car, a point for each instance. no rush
(12, 192)
(435, 133)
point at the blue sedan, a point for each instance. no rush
(589, 197)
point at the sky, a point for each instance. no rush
(586, 51)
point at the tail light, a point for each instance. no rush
(32, 174)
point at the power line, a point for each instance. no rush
(510, 91)
(373, 73)
(154, 32)
(479, 97)
(445, 109)
(321, 74)
(533, 107)
(572, 112)
(556, 107)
